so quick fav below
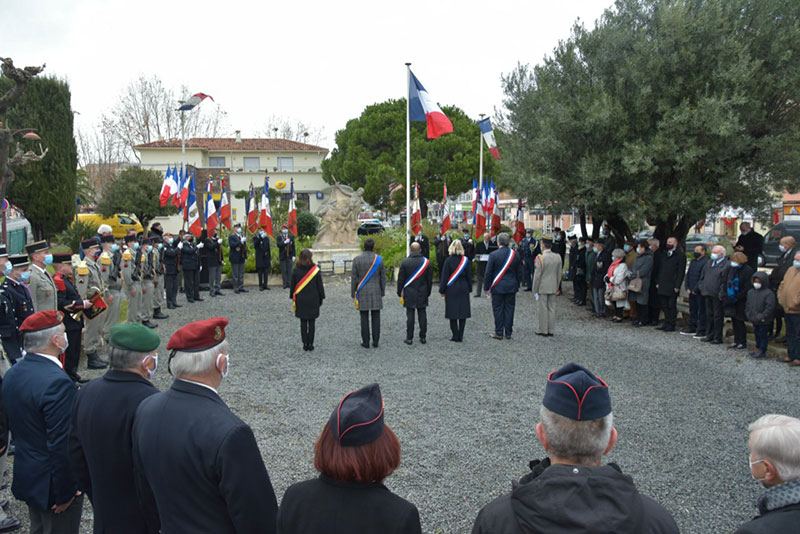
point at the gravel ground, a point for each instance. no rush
(465, 413)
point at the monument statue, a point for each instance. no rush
(338, 216)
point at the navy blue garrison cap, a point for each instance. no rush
(358, 419)
(575, 393)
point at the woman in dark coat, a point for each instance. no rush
(456, 294)
(307, 299)
(354, 454)
(642, 268)
(734, 298)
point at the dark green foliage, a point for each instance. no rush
(307, 224)
(45, 190)
(371, 153)
(135, 190)
(76, 232)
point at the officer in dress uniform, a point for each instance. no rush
(261, 247)
(546, 284)
(199, 461)
(442, 245)
(527, 247)
(158, 276)
(190, 264)
(131, 276)
(89, 283)
(414, 284)
(70, 305)
(213, 248)
(41, 285)
(8, 323)
(111, 273)
(148, 273)
(423, 242)
(17, 292)
(171, 271)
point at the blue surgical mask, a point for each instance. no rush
(596, 250)
(48, 259)
(714, 256)
(626, 248)
(160, 246)
(796, 264)
(7, 269)
(149, 248)
(238, 230)
(135, 245)
(114, 247)
(25, 276)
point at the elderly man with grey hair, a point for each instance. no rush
(571, 491)
(501, 281)
(192, 455)
(712, 287)
(775, 463)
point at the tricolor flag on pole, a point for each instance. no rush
(265, 219)
(252, 224)
(422, 108)
(519, 234)
(193, 214)
(212, 219)
(416, 213)
(488, 136)
(224, 207)
(184, 189)
(495, 211)
(291, 221)
(445, 213)
(193, 100)
(176, 199)
(478, 214)
(168, 188)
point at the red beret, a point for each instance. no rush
(199, 335)
(41, 320)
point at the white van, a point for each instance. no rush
(575, 230)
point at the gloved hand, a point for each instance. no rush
(180, 245)
(244, 239)
(287, 241)
(293, 259)
(87, 304)
(200, 245)
(219, 241)
(536, 296)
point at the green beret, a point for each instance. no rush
(134, 336)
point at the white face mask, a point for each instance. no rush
(759, 480)
(227, 364)
(66, 343)
(757, 285)
(782, 248)
(155, 367)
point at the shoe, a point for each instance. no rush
(637, 324)
(170, 307)
(78, 378)
(757, 355)
(9, 524)
(220, 293)
(688, 333)
(148, 324)
(408, 341)
(189, 300)
(365, 345)
(543, 335)
(423, 340)
(496, 336)
(707, 339)
(699, 336)
(158, 315)
(211, 295)
(715, 342)
(95, 362)
(267, 288)
(741, 346)
(658, 326)
(375, 344)
(668, 329)
(261, 289)
(508, 337)
(198, 299)
(176, 305)
(733, 345)
(549, 335)
(305, 347)
(243, 290)
(454, 338)
(311, 347)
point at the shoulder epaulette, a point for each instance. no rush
(105, 258)
(127, 255)
(60, 285)
(83, 269)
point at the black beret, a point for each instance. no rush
(358, 419)
(575, 393)
(107, 238)
(89, 243)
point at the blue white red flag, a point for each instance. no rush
(224, 207)
(291, 220)
(265, 217)
(169, 187)
(252, 223)
(193, 214)
(184, 188)
(193, 100)
(422, 108)
(488, 136)
(212, 219)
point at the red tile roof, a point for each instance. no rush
(230, 144)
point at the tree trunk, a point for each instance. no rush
(584, 233)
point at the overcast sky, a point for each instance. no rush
(318, 61)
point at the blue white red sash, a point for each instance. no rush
(425, 263)
(504, 270)
(460, 269)
(376, 263)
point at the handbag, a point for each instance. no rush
(618, 295)
(635, 285)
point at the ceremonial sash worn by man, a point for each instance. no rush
(502, 279)
(367, 288)
(414, 284)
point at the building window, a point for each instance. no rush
(285, 164)
(216, 162)
(251, 164)
(302, 201)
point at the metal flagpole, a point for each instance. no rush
(408, 158)
(480, 161)
(183, 159)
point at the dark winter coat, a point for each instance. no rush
(556, 499)
(777, 274)
(212, 250)
(734, 305)
(753, 244)
(286, 251)
(237, 251)
(713, 277)
(310, 298)
(371, 295)
(642, 268)
(511, 280)
(170, 256)
(325, 506)
(190, 259)
(482, 248)
(671, 272)
(261, 246)
(696, 267)
(600, 268)
(417, 293)
(779, 511)
(442, 244)
(424, 244)
(456, 297)
(469, 247)
(761, 303)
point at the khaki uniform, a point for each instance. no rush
(158, 279)
(43, 290)
(148, 286)
(111, 265)
(132, 282)
(88, 282)
(546, 279)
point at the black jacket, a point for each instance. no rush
(510, 281)
(777, 274)
(694, 273)
(8, 328)
(213, 251)
(780, 521)
(69, 302)
(424, 244)
(671, 272)
(566, 499)
(456, 304)
(417, 293)
(310, 299)
(442, 244)
(285, 251)
(100, 449)
(261, 247)
(170, 257)
(600, 268)
(753, 245)
(190, 260)
(345, 508)
(483, 248)
(237, 252)
(20, 297)
(202, 465)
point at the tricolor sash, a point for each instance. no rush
(425, 263)
(504, 270)
(460, 269)
(303, 283)
(376, 263)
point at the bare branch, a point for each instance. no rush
(20, 77)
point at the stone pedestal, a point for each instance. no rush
(341, 256)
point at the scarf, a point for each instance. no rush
(779, 496)
(610, 272)
(732, 286)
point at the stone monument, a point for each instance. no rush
(338, 239)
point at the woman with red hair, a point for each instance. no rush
(353, 454)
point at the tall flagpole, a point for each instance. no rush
(408, 158)
(480, 164)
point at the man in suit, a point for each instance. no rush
(102, 422)
(38, 397)
(501, 281)
(16, 290)
(442, 244)
(261, 246)
(186, 438)
(286, 255)
(190, 264)
(41, 285)
(70, 302)
(545, 285)
(670, 279)
(414, 284)
(751, 243)
(171, 258)
(712, 286)
(237, 254)
(424, 244)
(468, 244)
(367, 288)
(482, 250)
(697, 305)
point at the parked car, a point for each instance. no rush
(773, 237)
(368, 228)
(120, 223)
(575, 230)
(709, 240)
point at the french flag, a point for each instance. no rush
(169, 187)
(193, 100)
(212, 220)
(416, 213)
(184, 189)
(445, 213)
(252, 223)
(292, 218)
(265, 218)
(224, 207)
(193, 214)
(422, 108)
(488, 136)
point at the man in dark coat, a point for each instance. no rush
(424, 244)
(501, 281)
(527, 247)
(751, 243)
(69, 303)
(237, 254)
(602, 262)
(367, 288)
(102, 422)
(286, 255)
(17, 293)
(469, 246)
(442, 244)
(669, 281)
(567, 493)
(213, 250)
(38, 397)
(190, 264)
(7, 523)
(787, 249)
(191, 454)
(261, 246)
(697, 305)
(654, 305)
(414, 284)
(171, 284)
(712, 287)
(483, 248)
(579, 282)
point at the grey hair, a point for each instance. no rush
(618, 253)
(581, 442)
(654, 240)
(195, 363)
(503, 238)
(456, 248)
(122, 359)
(776, 438)
(36, 341)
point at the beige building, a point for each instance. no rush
(242, 162)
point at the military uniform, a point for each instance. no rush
(112, 279)
(170, 258)
(22, 305)
(132, 280)
(148, 274)
(69, 303)
(43, 289)
(158, 278)
(8, 328)
(89, 282)
(190, 264)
